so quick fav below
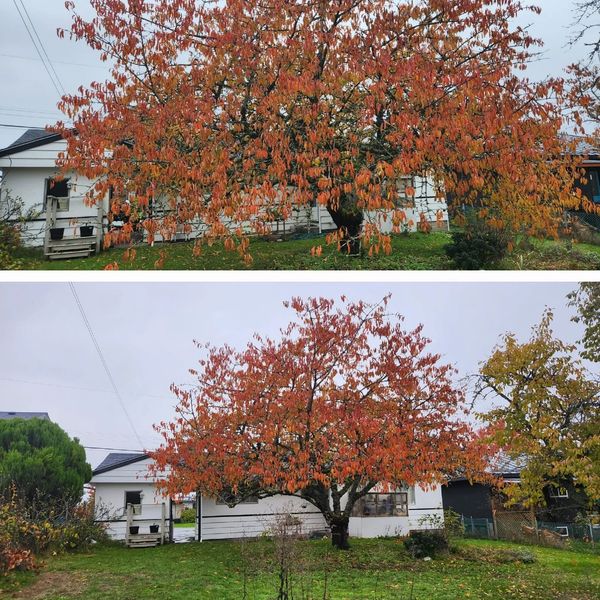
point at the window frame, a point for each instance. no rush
(60, 199)
(401, 498)
(556, 491)
(136, 509)
(402, 200)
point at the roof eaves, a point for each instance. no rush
(118, 465)
(16, 148)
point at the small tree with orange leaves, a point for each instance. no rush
(343, 401)
(227, 113)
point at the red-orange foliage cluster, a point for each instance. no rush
(228, 113)
(344, 400)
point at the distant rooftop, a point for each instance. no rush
(24, 415)
(32, 138)
(118, 459)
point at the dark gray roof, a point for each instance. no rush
(118, 459)
(32, 138)
(24, 415)
(583, 146)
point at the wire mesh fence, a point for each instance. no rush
(524, 527)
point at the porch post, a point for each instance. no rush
(171, 520)
(99, 227)
(50, 221)
(129, 522)
(198, 516)
(162, 523)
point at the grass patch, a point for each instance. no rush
(415, 251)
(372, 569)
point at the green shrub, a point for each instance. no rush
(188, 515)
(427, 542)
(453, 524)
(27, 532)
(478, 246)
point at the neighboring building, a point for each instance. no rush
(29, 166)
(483, 501)
(24, 415)
(123, 478)
(590, 161)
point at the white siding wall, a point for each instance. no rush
(219, 521)
(110, 497)
(29, 184)
(250, 520)
(427, 504)
(25, 174)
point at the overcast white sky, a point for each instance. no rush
(146, 332)
(28, 98)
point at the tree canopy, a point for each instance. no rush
(41, 461)
(548, 412)
(343, 400)
(586, 300)
(220, 115)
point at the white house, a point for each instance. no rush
(123, 479)
(29, 166)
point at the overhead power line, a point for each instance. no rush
(114, 449)
(56, 62)
(41, 51)
(103, 361)
(12, 125)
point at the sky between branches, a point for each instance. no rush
(146, 332)
(28, 97)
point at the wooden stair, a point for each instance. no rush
(70, 247)
(144, 540)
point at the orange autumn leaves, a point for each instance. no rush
(343, 399)
(222, 115)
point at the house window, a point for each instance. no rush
(135, 499)
(394, 504)
(403, 184)
(558, 491)
(58, 190)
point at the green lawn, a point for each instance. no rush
(372, 569)
(416, 251)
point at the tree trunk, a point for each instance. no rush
(339, 533)
(348, 219)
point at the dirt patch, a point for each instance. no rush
(55, 583)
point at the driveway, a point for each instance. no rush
(184, 534)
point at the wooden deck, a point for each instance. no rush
(143, 539)
(70, 247)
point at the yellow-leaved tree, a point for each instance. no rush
(548, 413)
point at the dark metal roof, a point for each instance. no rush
(583, 147)
(118, 459)
(24, 415)
(32, 138)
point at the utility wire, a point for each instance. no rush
(103, 361)
(115, 449)
(39, 52)
(62, 87)
(20, 126)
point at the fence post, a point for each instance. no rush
(591, 534)
(472, 526)
(162, 524)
